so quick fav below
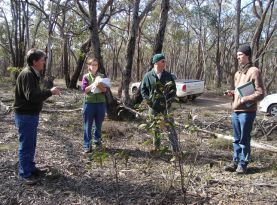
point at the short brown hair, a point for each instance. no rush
(34, 55)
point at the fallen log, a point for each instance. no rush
(255, 144)
(62, 110)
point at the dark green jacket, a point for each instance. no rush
(154, 90)
(29, 96)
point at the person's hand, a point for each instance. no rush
(55, 91)
(97, 80)
(241, 100)
(101, 87)
(228, 93)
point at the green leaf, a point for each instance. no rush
(173, 159)
(142, 126)
(186, 126)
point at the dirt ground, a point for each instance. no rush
(127, 172)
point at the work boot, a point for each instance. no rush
(98, 146)
(39, 172)
(231, 167)
(31, 180)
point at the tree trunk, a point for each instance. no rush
(236, 36)
(77, 71)
(19, 34)
(158, 47)
(65, 62)
(48, 69)
(199, 61)
(95, 42)
(131, 44)
(255, 44)
(218, 55)
(96, 49)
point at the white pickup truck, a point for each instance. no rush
(186, 89)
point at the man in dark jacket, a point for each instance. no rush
(28, 103)
(158, 88)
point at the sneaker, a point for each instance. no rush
(87, 150)
(230, 167)
(39, 172)
(31, 180)
(241, 170)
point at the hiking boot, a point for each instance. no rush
(231, 167)
(31, 180)
(98, 146)
(155, 152)
(241, 170)
(39, 172)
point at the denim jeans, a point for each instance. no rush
(242, 123)
(172, 135)
(27, 130)
(93, 114)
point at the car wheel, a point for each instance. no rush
(134, 90)
(272, 110)
(183, 99)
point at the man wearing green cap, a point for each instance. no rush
(158, 88)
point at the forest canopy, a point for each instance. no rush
(200, 38)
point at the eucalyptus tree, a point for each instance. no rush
(50, 13)
(115, 41)
(179, 40)
(131, 44)
(52, 21)
(130, 50)
(114, 37)
(264, 41)
(21, 24)
(95, 23)
(218, 38)
(236, 40)
(158, 46)
(200, 18)
(259, 29)
(66, 50)
(262, 12)
(16, 31)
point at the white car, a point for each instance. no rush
(186, 89)
(269, 105)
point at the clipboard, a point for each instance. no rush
(246, 90)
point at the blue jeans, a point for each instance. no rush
(27, 130)
(171, 132)
(242, 123)
(93, 114)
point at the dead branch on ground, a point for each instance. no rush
(255, 144)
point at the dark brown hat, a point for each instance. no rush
(246, 49)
